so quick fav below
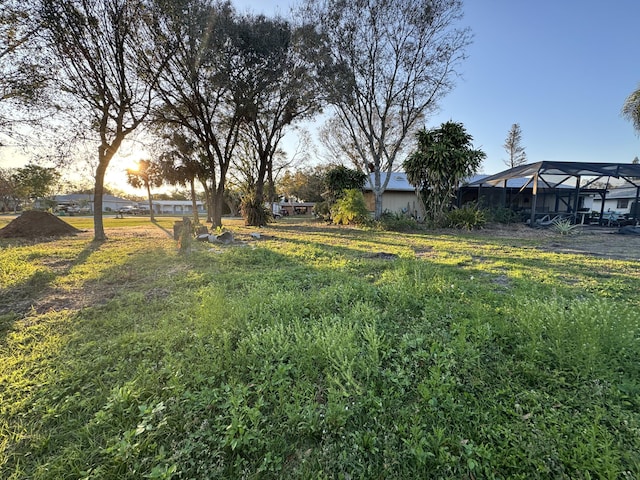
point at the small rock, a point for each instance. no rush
(225, 237)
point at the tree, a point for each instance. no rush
(195, 88)
(631, 109)
(390, 63)
(100, 49)
(9, 194)
(33, 181)
(181, 166)
(306, 185)
(514, 148)
(148, 174)
(22, 73)
(444, 157)
(339, 179)
(275, 86)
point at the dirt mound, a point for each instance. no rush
(34, 224)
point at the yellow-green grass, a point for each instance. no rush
(315, 352)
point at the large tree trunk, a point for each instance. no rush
(256, 218)
(377, 196)
(98, 192)
(217, 203)
(207, 200)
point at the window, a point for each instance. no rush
(623, 203)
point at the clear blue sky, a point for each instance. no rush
(560, 68)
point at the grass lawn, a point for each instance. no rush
(315, 352)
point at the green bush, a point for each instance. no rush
(397, 222)
(467, 217)
(503, 215)
(564, 227)
(254, 212)
(322, 210)
(350, 209)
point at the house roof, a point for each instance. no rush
(78, 197)
(625, 192)
(480, 180)
(398, 182)
(173, 202)
(557, 172)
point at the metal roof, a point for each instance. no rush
(617, 193)
(563, 169)
(398, 182)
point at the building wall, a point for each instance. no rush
(397, 202)
(617, 205)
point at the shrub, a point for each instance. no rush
(322, 210)
(503, 215)
(254, 212)
(564, 227)
(350, 209)
(397, 222)
(468, 216)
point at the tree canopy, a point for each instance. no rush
(443, 159)
(631, 109)
(513, 147)
(33, 181)
(388, 63)
(23, 74)
(340, 178)
(148, 174)
(100, 50)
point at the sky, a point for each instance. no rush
(561, 69)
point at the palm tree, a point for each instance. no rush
(631, 109)
(148, 174)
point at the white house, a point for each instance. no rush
(84, 202)
(110, 203)
(175, 207)
(399, 197)
(618, 200)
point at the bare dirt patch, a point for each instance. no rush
(588, 240)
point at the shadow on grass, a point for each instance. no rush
(165, 230)
(31, 295)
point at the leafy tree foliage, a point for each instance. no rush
(340, 178)
(22, 71)
(195, 89)
(514, 148)
(444, 157)
(631, 109)
(350, 208)
(181, 165)
(100, 49)
(33, 181)
(388, 64)
(148, 174)
(275, 87)
(307, 184)
(36, 181)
